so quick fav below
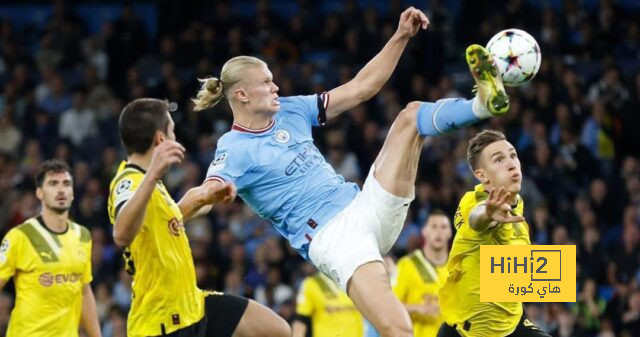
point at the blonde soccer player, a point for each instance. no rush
(491, 214)
(150, 225)
(421, 273)
(49, 258)
(270, 157)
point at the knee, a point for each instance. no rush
(408, 116)
(398, 328)
(275, 327)
(280, 328)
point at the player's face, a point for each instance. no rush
(261, 92)
(437, 231)
(56, 192)
(500, 167)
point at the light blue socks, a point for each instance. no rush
(449, 114)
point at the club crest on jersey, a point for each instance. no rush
(282, 136)
(123, 186)
(175, 227)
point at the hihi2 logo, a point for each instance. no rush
(528, 273)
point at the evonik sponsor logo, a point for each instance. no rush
(48, 279)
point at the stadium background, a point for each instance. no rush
(66, 69)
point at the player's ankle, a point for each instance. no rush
(479, 108)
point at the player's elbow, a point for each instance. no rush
(473, 223)
(120, 238)
(399, 328)
(121, 241)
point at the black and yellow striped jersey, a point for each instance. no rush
(165, 295)
(49, 271)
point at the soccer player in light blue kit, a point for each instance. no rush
(269, 158)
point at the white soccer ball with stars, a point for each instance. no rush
(517, 56)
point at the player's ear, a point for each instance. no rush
(39, 193)
(73, 196)
(481, 176)
(241, 95)
(158, 138)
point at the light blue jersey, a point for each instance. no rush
(281, 174)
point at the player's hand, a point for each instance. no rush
(221, 192)
(167, 153)
(429, 307)
(497, 207)
(411, 20)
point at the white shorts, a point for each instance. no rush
(362, 232)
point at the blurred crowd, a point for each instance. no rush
(576, 127)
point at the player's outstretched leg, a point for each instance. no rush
(259, 321)
(396, 167)
(370, 291)
(397, 162)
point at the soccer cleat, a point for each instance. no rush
(490, 89)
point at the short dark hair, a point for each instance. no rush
(436, 212)
(479, 142)
(140, 120)
(51, 166)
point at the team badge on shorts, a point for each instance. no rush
(282, 136)
(335, 277)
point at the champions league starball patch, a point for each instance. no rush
(4, 247)
(123, 186)
(219, 163)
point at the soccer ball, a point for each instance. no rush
(516, 54)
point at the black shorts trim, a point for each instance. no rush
(523, 329)
(222, 313)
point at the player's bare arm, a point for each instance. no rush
(377, 71)
(129, 219)
(199, 200)
(299, 329)
(494, 211)
(89, 317)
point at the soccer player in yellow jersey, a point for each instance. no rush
(421, 274)
(165, 298)
(491, 214)
(325, 310)
(49, 257)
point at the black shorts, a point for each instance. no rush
(222, 313)
(524, 329)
